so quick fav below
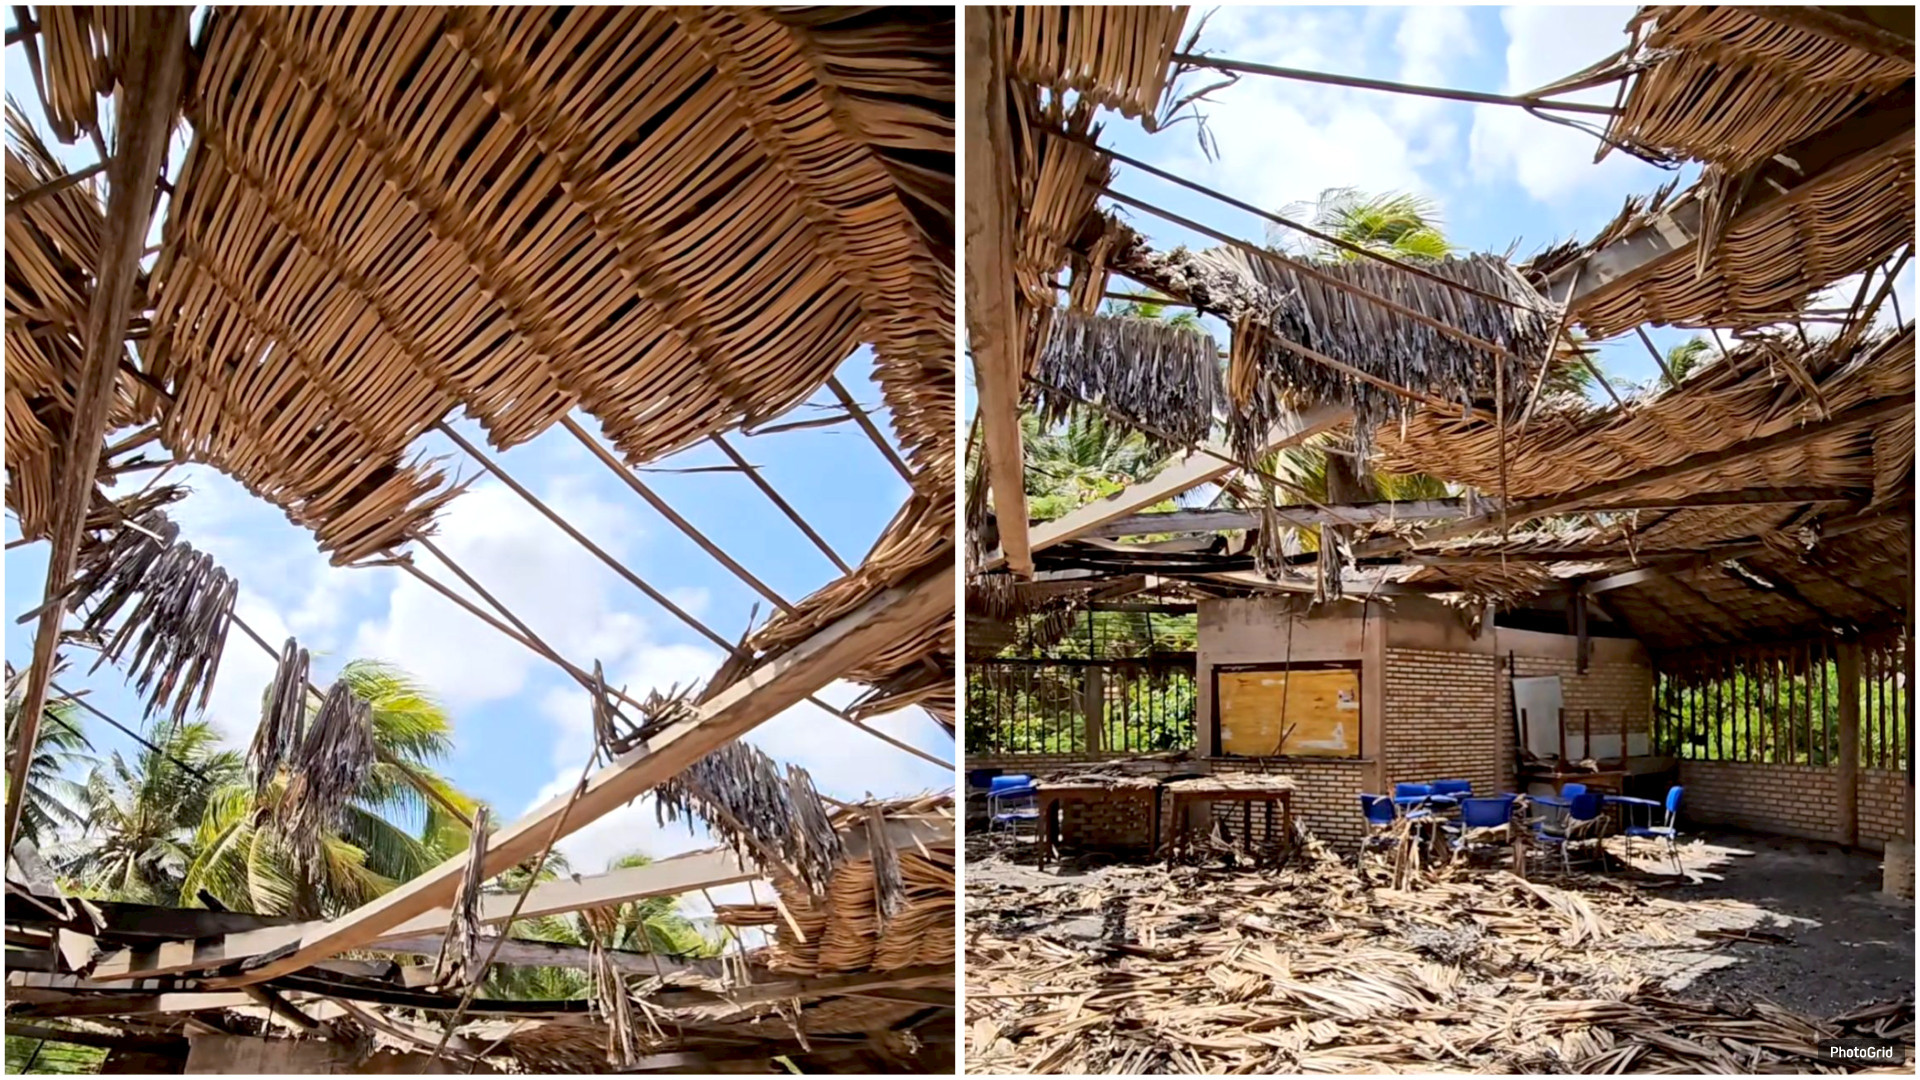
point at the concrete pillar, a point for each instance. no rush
(1847, 777)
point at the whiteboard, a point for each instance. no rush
(1539, 697)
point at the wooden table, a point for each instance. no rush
(1606, 781)
(1089, 789)
(1247, 790)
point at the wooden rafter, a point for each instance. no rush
(756, 697)
(156, 63)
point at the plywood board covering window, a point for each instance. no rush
(1305, 710)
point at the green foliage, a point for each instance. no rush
(1400, 225)
(1791, 720)
(1688, 356)
(652, 925)
(51, 1058)
(239, 855)
(1082, 460)
(60, 746)
(1041, 708)
(142, 814)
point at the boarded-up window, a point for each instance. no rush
(1298, 711)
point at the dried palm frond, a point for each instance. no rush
(182, 603)
(1156, 372)
(282, 718)
(739, 792)
(459, 963)
(888, 890)
(333, 762)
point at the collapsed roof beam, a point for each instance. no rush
(1475, 97)
(1673, 232)
(994, 336)
(1201, 465)
(1154, 522)
(155, 65)
(1582, 498)
(758, 696)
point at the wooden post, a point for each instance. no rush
(1848, 775)
(144, 108)
(1093, 704)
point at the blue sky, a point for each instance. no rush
(521, 725)
(1501, 178)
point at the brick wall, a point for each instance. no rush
(1328, 801)
(1883, 812)
(1049, 764)
(1791, 800)
(1442, 720)
(1616, 697)
(1121, 821)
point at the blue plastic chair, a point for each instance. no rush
(1380, 812)
(1012, 800)
(1666, 830)
(1482, 813)
(1413, 800)
(1457, 788)
(1576, 822)
(1568, 791)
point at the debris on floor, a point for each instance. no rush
(1319, 967)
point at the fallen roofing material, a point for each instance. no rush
(1318, 968)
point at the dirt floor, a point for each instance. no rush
(1721, 962)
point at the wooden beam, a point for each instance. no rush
(1153, 522)
(1199, 466)
(1788, 433)
(1672, 233)
(994, 334)
(758, 696)
(156, 62)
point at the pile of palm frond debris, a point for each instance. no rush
(1318, 968)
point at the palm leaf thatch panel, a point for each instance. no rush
(663, 217)
(1362, 334)
(1768, 260)
(1165, 375)
(1731, 86)
(1755, 391)
(1057, 182)
(1118, 57)
(79, 51)
(52, 248)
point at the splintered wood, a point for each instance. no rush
(1318, 968)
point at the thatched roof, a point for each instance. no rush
(1116, 57)
(387, 213)
(1731, 85)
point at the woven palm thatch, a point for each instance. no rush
(1767, 260)
(1731, 85)
(79, 55)
(388, 213)
(1753, 392)
(52, 248)
(1056, 182)
(847, 928)
(1117, 57)
(1149, 370)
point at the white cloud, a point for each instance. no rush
(1551, 162)
(543, 576)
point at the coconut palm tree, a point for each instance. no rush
(1401, 225)
(141, 814)
(388, 833)
(60, 748)
(1084, 459)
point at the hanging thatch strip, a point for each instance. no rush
(460, 963)
(1769, 261)
(1117, 57)
(1149, 370)
(1364, 335)
(739, 792)
(332, 764)
(80, 50)
(1730, 86)
(551, 254)
(276, 741)
(1056, 182)
(177, 604)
